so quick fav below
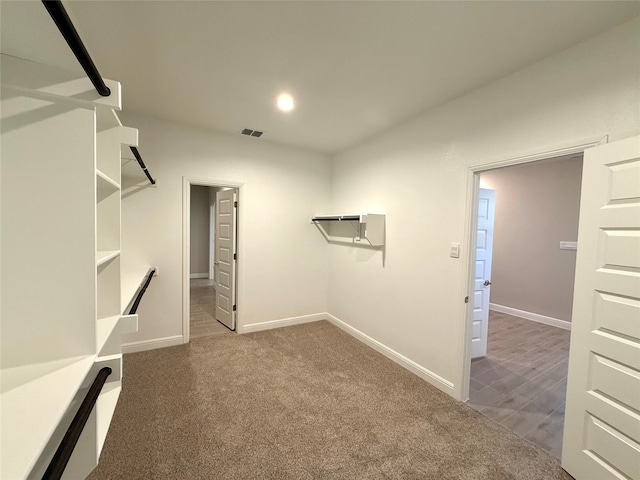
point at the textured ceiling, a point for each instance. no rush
(355, 68)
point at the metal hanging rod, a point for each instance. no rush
(70, 439)
(337, 218)
(70, 34)
(142, 165)
(147, 281)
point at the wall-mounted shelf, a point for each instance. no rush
(340, 218)
(369, 227)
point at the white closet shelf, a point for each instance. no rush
(103, 256)
(106, 406)
(369, 226)
(104, 329)
(131, 279)
(359, 217)
(34, 398)
(106, 185)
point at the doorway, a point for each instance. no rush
(520, 380)
(211, 237)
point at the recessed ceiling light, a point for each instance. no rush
(285, 102)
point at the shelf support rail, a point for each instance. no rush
(65, 449)
(70, 34)
(147, 281)
(136, 154)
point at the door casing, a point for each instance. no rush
(186, 238)
(463, 368)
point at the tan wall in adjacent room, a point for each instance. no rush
(537, 207)
(199, 229)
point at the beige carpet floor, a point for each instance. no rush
(302, 402)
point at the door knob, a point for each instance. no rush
(486, 283)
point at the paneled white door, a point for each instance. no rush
(602, 423)
(225, 263)
(482, 279)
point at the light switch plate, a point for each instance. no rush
(568, 245)
(454, 251)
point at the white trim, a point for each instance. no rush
(462, 375)
(535, 317)
(144, 345)
(463, 367)
(434, 379)
(283, 322)
(198, 275)
(557, 151)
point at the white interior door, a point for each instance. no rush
(482, 279)
(602, 424)
(225, 263)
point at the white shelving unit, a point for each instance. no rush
(62, 287)
(368, 228)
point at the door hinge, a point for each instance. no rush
(466, 299)
(235, 204)
(234, 308)
(235, 256)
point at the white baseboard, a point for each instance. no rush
(427, 375)
(554, 322)
(282, 322)
(199, 275)
(152, 344)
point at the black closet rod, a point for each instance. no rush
(142, 165)
(68, 31)
(337, 218)
(70, 439)
(147, 281)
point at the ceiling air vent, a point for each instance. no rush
(251, 133)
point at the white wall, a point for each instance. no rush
(417, 174)
(285, 271)
(537, 207)
(200, 219)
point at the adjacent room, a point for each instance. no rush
(207, 299)
(242, 239)
(528, 251)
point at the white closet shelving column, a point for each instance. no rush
(61, 316)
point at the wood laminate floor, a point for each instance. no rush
(202, 317)
(522, 381)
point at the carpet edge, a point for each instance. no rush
(408, 364)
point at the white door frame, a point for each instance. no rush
(186, 253)
(212, 228)
(463, 370)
